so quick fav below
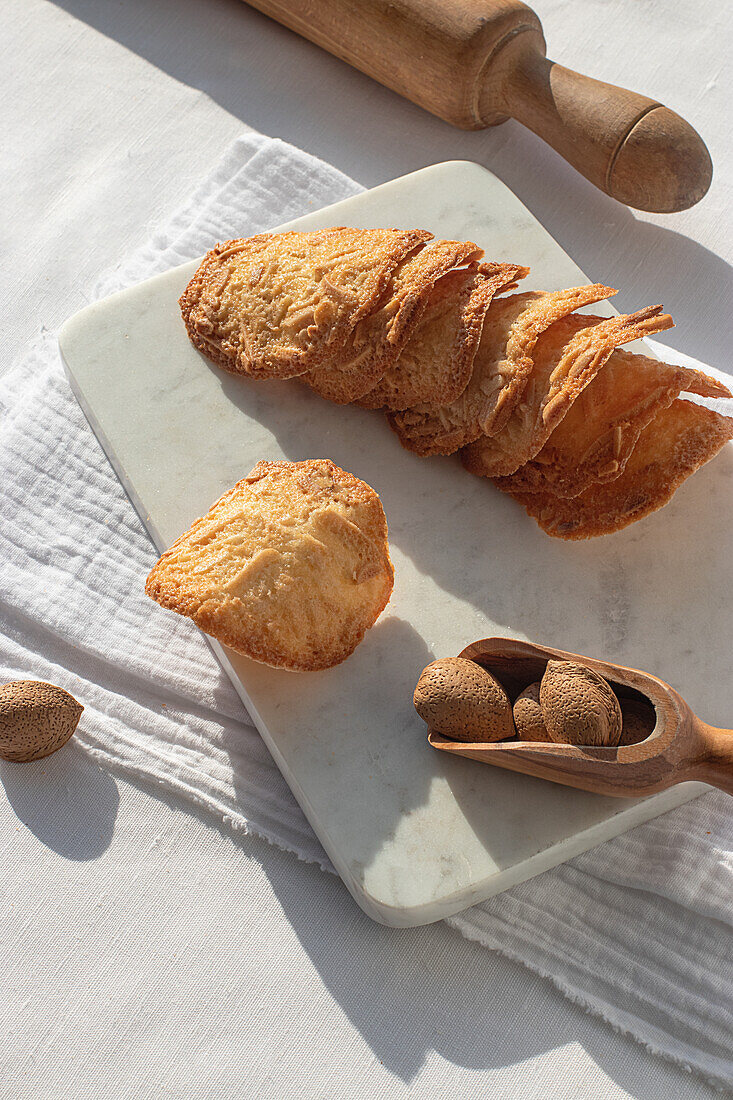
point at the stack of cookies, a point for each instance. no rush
(528, 391)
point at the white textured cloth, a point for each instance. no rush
(637, 930)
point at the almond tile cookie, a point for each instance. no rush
(671, 448)
(291, 567)
(501, 370)
(435, 364)
(277, 305)
(595, 440)
(377, 341)
(566, 359)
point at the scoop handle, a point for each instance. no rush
(713, 761)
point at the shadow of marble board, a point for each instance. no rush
(416, 835)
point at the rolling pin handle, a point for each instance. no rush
(631, 147)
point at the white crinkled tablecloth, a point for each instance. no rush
(646, 950)
(158, 707)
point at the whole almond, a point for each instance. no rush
(460, 699)
(36, 719)
(578, 705)
(528, 719)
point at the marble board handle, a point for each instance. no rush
(476, 63)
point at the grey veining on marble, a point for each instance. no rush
(416, 835)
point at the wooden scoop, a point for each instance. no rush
(680, 748)
(476, 63)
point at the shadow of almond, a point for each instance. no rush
(66, 800)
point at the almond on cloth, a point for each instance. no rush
(36, 719)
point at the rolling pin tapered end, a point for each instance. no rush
(662, 165)
(633, 148)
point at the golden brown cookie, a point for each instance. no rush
(501, 369)
(290, 567)
(595, 440)
(277, 305)
(377, 341)
(678, 441)
(566, 358)
(436, 363)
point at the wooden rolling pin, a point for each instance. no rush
(476, 63)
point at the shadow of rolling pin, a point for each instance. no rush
(476, 63)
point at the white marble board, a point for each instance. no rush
(416, 835)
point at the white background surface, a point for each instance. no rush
(157, 955)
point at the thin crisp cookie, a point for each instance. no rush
(594, 442)
(278, 305)
(678, 441)
(501, 370)
(566, 359)
(290, 567)
(435, 365)
(377, 341)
